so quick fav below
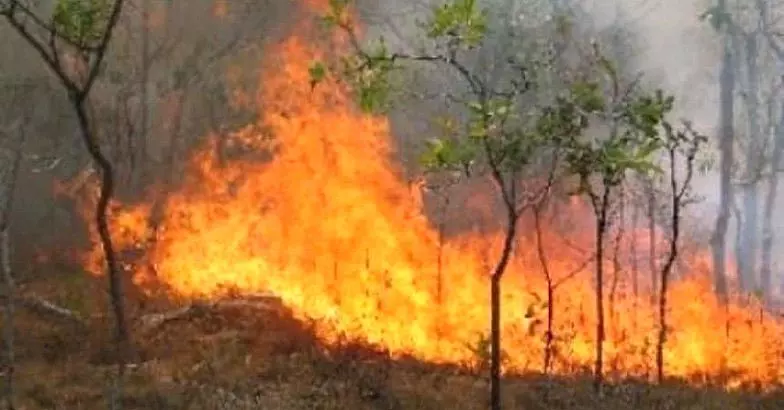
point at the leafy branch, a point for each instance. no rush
(84, 28)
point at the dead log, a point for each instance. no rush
(153, 321)
(48, 310)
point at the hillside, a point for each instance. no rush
(252, 354)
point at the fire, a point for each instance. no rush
(220, 8)
(329, 225)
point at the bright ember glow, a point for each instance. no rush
(330, 227)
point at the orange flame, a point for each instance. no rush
(329, 226)
(220, 8)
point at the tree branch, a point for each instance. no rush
(100, 53)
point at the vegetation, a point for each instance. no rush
(221, 360)
(503, 134)
(227, 289)
(84, 29)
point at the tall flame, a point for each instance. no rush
(329, 226)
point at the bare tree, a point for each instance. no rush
(678, 143)
(553, 284)
(442, 191)
(76, 54)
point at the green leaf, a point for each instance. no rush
(588, 96)
(445, 153)
(458, 20)
(368, 74)
(476, 107)
(646, 149)
(81, 21)
(317, 71)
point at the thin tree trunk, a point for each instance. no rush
(440, 261)
(635, 264)
(672, 255)
(726, 141)
(101, 218)
(495, 343)
(601, 230)
(8, 318)
(616, 257)
(738, 248)
(78, 90)
(549, 336)
(635, 261)
(653, 271)
(495, 309)
(439, 267)
(9, 287)
(666, 269)
(144, 84)
(748, 246)
(768, 236)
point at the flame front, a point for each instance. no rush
(328, 225)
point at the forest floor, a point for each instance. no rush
(245, 357)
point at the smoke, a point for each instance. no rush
(665, 41)
(681, 54)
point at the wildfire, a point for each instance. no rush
(329, 226)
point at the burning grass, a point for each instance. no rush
(329, 227)
(244, 357)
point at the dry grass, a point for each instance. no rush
(248, 359)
